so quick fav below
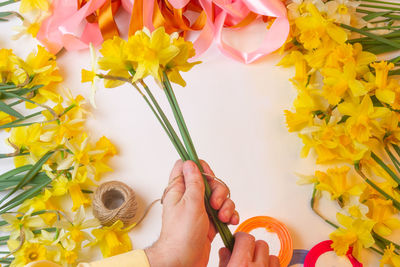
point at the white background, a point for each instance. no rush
(235, 115)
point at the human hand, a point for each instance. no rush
(247, 252)
(187, 232)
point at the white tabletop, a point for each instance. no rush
(235, 115)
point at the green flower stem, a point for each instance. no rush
(179, 146)
(381, 28)
(373, 36)
(32, 102)
(396, 163)
(7, 2)
(67, 110)
(22, 119)
(180, 120)
(16, 103)
(11, 155)
(385, 167)
(397, 149)
(381, 2)
(222, 228)
(381, 7)
(162, 120)
(389, 16)
(396, 203)
(385, 241)
(164, 127)
(313, 202)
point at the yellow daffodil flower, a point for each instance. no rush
(44, 201)
(91, 76)
(297, 59)
(390, 257)
(152, 53)
(29, 252)
(115, 60)
(342, 11)
(180, 61)
(113, 240)
(33, 5)
(7, 64)
(362, 118)
(337, 82)
(382, 212)
(314, 27)
(75, 230)
(18, 223)
(336, 182)
(356, 208)
(356, 233)
(75, 191)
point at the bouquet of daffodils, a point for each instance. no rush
(161, 56)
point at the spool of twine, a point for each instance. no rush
(114, 201)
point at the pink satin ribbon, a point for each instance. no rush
(67, 26)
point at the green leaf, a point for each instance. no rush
(374, 15)
(5, 14)
(12, 182)
(5, 86)
(7, 2)
(373, 36)
(30, 193)
(15, 123)
(29, 176)
(9, 110)
(15, 171)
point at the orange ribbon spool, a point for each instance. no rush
(271, 225)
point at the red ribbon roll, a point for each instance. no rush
(323, 247)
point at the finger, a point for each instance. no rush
(194, 183)
(212, 232)
(176, 170)
(176, 186)
(261, 253)
(274, 261)
(207, 170)
(243, 250)
(227, 210)
(224, 255)
(235, 218)
(219, 190)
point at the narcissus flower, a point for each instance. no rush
(112, 239)
(355, 232)
(152, 53)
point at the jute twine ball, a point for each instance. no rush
(114, 201)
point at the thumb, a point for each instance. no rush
(193, 182)
(224, 256)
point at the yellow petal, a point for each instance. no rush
(87, 76)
